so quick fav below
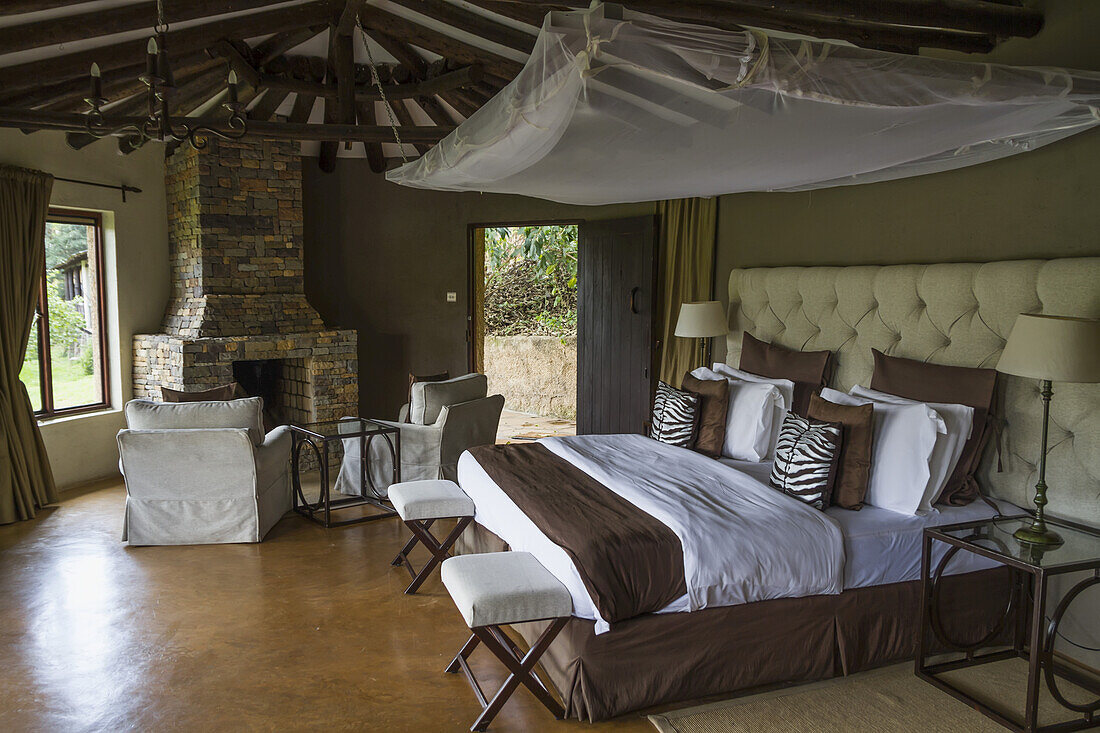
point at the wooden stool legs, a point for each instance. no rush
(521, 669)
(440, 550)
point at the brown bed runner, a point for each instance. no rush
(630, 562)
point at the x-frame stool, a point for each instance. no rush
(420, 504)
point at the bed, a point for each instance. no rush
(839, 594)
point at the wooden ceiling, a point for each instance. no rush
(438, 60)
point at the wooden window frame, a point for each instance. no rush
(45, 370)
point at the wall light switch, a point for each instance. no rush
(452, 296)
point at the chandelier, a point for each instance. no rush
(159, 124)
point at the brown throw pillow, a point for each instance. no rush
(809, 370)
(413, 379)
(854, 470)
(225, 392)
(714, 400)
(918, 380)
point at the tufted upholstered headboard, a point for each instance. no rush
(958, 314)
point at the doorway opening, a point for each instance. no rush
(523, 324)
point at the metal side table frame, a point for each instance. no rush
(1033, 634)
(318, 436)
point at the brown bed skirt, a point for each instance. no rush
(664, 658)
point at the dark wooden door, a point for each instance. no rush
(616, 281)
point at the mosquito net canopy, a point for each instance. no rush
(616, 106)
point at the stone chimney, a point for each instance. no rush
(238, 300)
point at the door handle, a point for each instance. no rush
(633, 294)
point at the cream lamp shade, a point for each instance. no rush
(702, 319)
(1056, 348)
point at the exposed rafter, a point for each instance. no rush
(67, 66)
(479, 52)
(108, 21)
(270, 130)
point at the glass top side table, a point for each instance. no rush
(1035, 628)
(318, 436)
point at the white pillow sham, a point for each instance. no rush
(786, 391)
(785, 386)
(903, 438)
(750, 419)
(959, 420)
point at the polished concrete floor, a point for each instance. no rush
(308, 630)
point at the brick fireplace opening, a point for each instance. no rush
(238, 310)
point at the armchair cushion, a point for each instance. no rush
(427, 399)
(245, 413)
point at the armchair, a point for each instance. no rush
(202, 472)
(444, 419)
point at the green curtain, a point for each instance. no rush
(26, 481)
(688, 229)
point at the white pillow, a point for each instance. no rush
(785, 387)
(959, 420)
(750, 419)
(903, 438)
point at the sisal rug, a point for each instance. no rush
(887, 700)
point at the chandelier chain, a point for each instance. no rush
(162, 23)
(382, 93)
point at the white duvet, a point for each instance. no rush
(742, 541)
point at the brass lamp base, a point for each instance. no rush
(1037, 533)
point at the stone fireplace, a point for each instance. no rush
(238, 310)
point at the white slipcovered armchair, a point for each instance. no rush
(444, 419)
(202, 472)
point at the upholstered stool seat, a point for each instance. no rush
(498, 588)
(430, 500)
(420, 504)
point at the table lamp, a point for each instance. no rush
(702, 320)
(1050, 349)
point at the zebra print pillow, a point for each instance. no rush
(674, 416)
(806, 457)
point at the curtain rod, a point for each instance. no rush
(118, 187)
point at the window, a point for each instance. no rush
(65, 369)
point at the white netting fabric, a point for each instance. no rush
(640, 108)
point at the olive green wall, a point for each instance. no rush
(381, 258)
(1039, 204)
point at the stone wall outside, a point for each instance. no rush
(536, 374)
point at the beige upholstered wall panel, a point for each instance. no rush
(957, 314)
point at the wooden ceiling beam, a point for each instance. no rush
(984, 17)
(405, 54)
(463, 77)
(238, 62)
(416, 65)
(405, 118)
(473, 23)
(530, 13)
(34, 119)
(303, 107)
(109, 21)
(33, 73)
(18, 7)
(268, 104)
(376, 19)
(735, 15)
(272, 48)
